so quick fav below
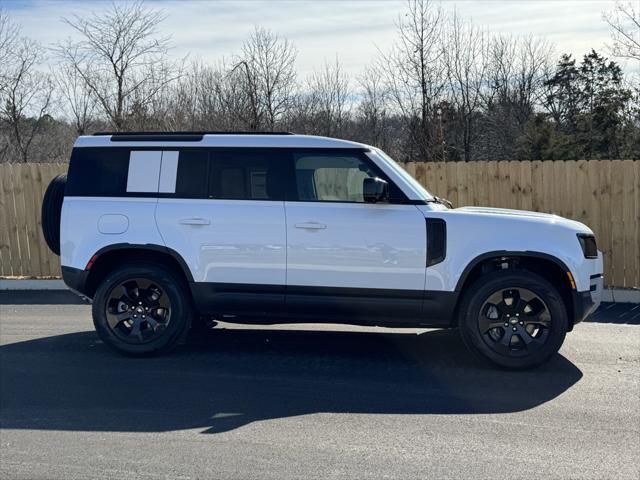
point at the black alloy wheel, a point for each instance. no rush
(514, 318)
(138, 310)
(142, 308)
(514, 321)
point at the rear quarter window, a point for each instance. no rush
(98, 172)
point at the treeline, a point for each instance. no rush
(447, 90)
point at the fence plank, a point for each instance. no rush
(31, 261)
(451, 169)
(526, 185)
(631, 258)
(581, 177)
(6, 216)
(617, 224)
(463, 186)
(603, 223)
(636, 196)
(16, 226)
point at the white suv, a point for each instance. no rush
(164, 229)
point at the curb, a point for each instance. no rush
(32, 284)
(621, 295)
(614, 295)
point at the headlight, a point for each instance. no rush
(588, 244)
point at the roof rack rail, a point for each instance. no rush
(168, 134)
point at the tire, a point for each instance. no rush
(491, 314)
(51, 212)
(166, 312)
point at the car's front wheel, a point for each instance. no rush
(516, 319)
(142, 309)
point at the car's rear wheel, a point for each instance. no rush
(516, 319)
(142, 309)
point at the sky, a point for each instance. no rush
(352, 30)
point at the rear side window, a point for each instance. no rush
(247, 174)
(98, 172)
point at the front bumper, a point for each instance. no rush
(585, 303)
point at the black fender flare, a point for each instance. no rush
(147, 246)
(506, 254)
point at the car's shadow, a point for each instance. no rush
(234, 377)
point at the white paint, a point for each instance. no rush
(228, 241)
(144, 171)
(80, 237)
(362, 245)
(266, 141)
(168, 172)
(473, 231)
(113, 224)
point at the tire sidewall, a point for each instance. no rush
(482, 289)
(51, 212)
(180, 318)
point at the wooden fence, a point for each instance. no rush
(603, 194)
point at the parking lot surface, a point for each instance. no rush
(310, 401)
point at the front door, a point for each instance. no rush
(348, 259)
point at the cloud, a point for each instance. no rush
(322, 29)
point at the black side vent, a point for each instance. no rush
(436, 241)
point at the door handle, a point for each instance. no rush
(195, 221)
(311, 226)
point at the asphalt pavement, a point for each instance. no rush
(310, 401)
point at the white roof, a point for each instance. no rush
(226, 140)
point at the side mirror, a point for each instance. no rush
(375, 190)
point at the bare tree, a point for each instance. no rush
(116, 52)
(624, 21)
(414, 73)
(516, 72)
(372, 110)
(267, 68)
(465, 55)
(26, 95)
(9, 33)
(78, 101)
(329, 90)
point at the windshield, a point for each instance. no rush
(422, 192)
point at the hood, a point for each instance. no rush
(523, 215)
(506, 211)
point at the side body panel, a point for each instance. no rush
(235, 249)
(355, 258)
(473, 233)
(89, 224)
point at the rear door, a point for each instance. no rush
(226, 218)
(346, 258)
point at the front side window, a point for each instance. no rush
(332, 176)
